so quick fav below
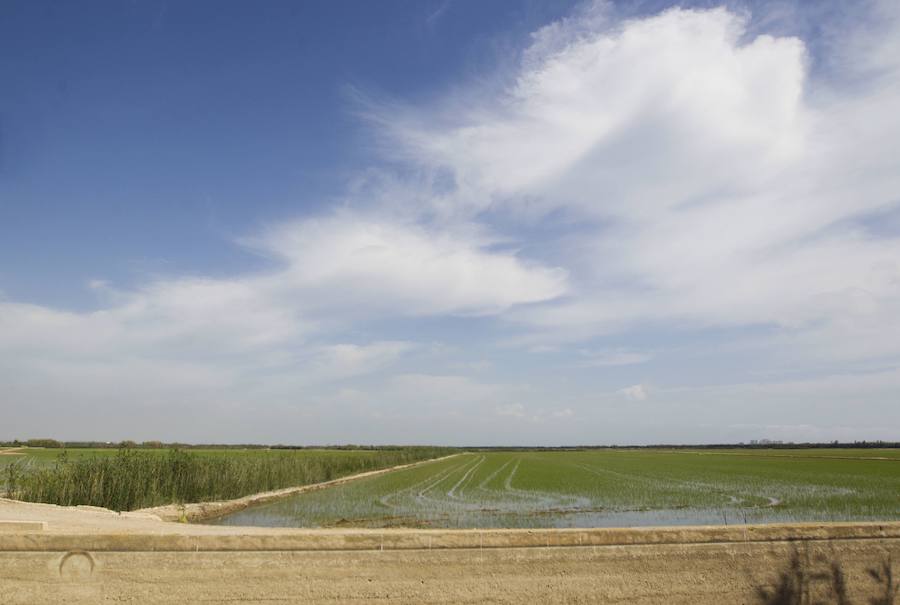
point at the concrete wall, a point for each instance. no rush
(170, 563)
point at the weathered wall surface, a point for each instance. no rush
(713, 573)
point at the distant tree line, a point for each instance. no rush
(128, 444)
(702, 446)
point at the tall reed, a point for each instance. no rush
(136, 479)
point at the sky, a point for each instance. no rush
(450, 221)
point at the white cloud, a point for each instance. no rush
(338, 361)
(600, 359)
(516, 410)
(265, 336)
(180, 317)
(359, 265)
(637, 392)
(330, 270)
(715, 182)
(449, 392)
(623, 121)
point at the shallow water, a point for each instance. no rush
(594, 489)
(291, 513)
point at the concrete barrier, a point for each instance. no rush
(75, 555)
(170, 537)
(700, 573)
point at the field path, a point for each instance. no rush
(430, 480)
(490, 477)
(201, 511)
(464, 478)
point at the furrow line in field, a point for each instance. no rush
(691, 486)
(422, 495)
(508, 483)
(441, 475)
(467, 476)
(490, 477)
(745, 493)
(542, 500)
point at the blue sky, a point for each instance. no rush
(450, 222)
(165, 130)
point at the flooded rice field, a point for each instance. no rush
(603, 488)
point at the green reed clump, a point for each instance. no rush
(136, 479)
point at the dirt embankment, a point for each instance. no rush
(202, 511)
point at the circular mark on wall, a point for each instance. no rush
(76, 565)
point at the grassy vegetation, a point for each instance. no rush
(604, 488)
(130, 479)
(480, 489)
